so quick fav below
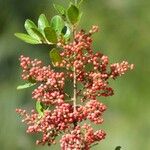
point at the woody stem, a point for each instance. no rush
(75, 90)
(74, 79)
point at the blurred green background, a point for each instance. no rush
(125, 35)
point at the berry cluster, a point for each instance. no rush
(81, 138)
(89, 73)
(50, 90)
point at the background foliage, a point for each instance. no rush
(125, 34)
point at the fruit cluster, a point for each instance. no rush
(60, 113)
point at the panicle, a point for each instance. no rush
(119, 69)
(92, 71)
(81, 138)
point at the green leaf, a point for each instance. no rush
(27, 38)
(28, 25)
(39, 108)
(73, 14)
(33, 31)
(38, 34)
(50, 34)
(55, 56)
(27, 85)
(59, 9)
(118, 148)
(57, 23)
(80, 16)
(42, 22)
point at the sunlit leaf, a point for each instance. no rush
(27, 38)
(26, 85)
(39, 108)
(57, 23)
(42, 22)
(28, 25)
(80, 16)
